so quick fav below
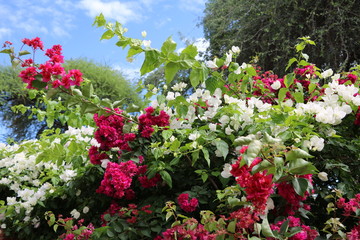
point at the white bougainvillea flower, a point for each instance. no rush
(179, 86)
(143, 34)
(75, 214)
(235, 49)
(315, 143)
(327, 73)
(146, 43)
(85, 209)
(194, 136)
(226, 171)
(276, 85)
(323, 176)
(228, 130)
(228, 58)
(211, 64)
(212, 127)
(171, 96)
(104, 162)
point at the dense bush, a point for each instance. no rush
(248, 155)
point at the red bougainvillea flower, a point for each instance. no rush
(117, 179)
(35, 43)
(354, 234)
(286, 190)
(349, 207)
(306, 233)
(258, 186)
(185, 204)
(148, 119)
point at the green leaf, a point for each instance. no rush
(279, 168)
(300, 185)
(312, 87)
(204, 176)
(289, 79)
(99, 21)
(195, 77)
(108, 34)
(168, 46)
(291, 61)
(232, 226)
(107, 217)
(152, 61)
(222, 146)
(38, 84)
(167, 134)
(190, 50)
(293, 231)
(194, 157)
(24, 52)
(117, 227)
(110, 233)
(244, 140)
(282, 94)
(171, 69)
(88, 90)
(300, 166)
(166, 177)
(133, 51)
(7, 51)
(251, 71)
(211, 84)
(206, 155)
(299, 97)
(297, 153)
(265, 228)
(284, 227)
(198, 75)
(175, 145)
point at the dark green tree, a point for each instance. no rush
(266, 30)
(107, 82)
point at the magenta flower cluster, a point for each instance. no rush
(51, 71)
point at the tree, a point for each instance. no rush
(264, 30)
(108, 83)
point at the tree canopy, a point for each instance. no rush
(264, 30)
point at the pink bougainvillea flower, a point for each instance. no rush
(185, 204)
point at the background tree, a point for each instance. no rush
(265, 29)
(107, 82)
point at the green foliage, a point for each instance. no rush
(266, 29)
(240, 154)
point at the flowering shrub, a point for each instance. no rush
(240, 154)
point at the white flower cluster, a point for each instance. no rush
(24, 175)
(335, 105)
(243, 111)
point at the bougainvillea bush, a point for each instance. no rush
(246, 154)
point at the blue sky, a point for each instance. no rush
(69, 23)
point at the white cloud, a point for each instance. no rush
(161, 22)
(129, 73)
(4, 32)
(196, 6)
(123, 12)
(202, 44)
(38, 18)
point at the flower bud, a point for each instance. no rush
(323, 176)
